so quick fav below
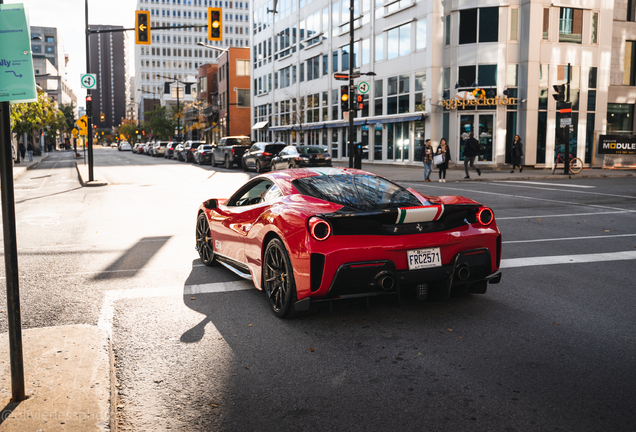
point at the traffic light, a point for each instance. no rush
(559, 94)
(142, 27)
(359, 102)
(344, 98)
(89, 105)
(215, 24)
(102, 117)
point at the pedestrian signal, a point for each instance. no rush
(344, 98)
(359, 101)
(215, 24)
(559, 93)
(142, 27)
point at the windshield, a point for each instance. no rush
(310, 150)
(359, 192)
(238, 141)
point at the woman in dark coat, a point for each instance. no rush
(517, 154)
(445, 150)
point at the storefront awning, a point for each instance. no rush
(342, 123)
(309, 126)
(397, 118)
(280, 128)
(260, 125)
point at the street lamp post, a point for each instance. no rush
(178, 106)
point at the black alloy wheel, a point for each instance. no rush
(278, 279)
(227, 164)
(259, 167)
(204, 241)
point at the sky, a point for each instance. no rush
(69, 17)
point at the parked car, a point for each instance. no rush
(159, 148)
(189, 148)
(135, 147)
(203, 154)
(230, 150)
(114, 144)
(301, 156)
(169, 153)
(141, 148)
(260, 155)
(125, 146)
(150, 149)
(316, 234)
(178, 152)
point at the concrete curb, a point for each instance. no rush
(19, 170)
(68, 380)
(82, 173)
(484, 178)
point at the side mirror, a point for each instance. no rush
(210, 204)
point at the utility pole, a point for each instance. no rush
(89, 101)
(566, 130)
(11, 255)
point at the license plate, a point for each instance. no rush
(424, 258)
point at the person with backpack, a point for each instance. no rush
(471, 151)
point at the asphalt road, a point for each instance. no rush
(549, 348)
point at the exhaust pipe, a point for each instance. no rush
(385, 280)
(464, 272)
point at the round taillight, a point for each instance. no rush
(319, 228)
(485, 216)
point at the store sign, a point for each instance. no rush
(17, 81)
(617, 144)
(461, 103)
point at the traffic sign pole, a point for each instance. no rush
(89, 103)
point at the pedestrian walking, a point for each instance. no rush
(427, 159)
(471, 151)
(30, 151)
(22, 150)
(517, 154)
(442, 158)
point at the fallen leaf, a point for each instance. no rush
(461, 337)
(555, 323)
(538, 218)
(214, 406)
(311, 350)
(192, 298)
(247, 367)
(607, 230)
(449, 329)
(249, 325)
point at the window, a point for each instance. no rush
(399, 41)
(620, 118)
(378, 92)
(421, 34)
(334, 61)
(313, 68)
(243, 98)
(489, 24)
(487, 75)
(447, 27)
(467, 26)
(49, 50)
(631, 10)
(398, 86)
(514, 23)
(49, 39)
(546, 23)
(36, 48)
(379, 47)
(594, 27)
(325, 64)
(570, 25)
(629, 77)
(467, 76)
(366, 54)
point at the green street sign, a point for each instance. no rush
(17, 81)
(88, 81)
(363, 87)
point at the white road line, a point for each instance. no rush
(563, 215)
(107, 311)
(568, 238)
(564, 190)
(567, 259)
(547, 184)
(525, 197)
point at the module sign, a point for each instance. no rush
(617, 144)
(17, 81)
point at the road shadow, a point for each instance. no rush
(134, 259)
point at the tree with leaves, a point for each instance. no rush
(30, 117)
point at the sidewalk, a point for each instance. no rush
(24, 164)
(407, 173)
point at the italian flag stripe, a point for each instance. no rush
(419, 214)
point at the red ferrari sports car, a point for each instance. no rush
(319, 234)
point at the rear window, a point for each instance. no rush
(358, 192)
(310, 150)
(274, 148)
(206, 147)
(238, 141)
(163, 144)
(196, 144)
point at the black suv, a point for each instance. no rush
(259, 156)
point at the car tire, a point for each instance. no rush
(204, 241)
(244, 165)
(259, 168)
(212, 161)
(278, 279)
(227, 163)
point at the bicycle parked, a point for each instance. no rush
(576, 164)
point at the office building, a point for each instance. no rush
(432, 70)
(108, 62)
